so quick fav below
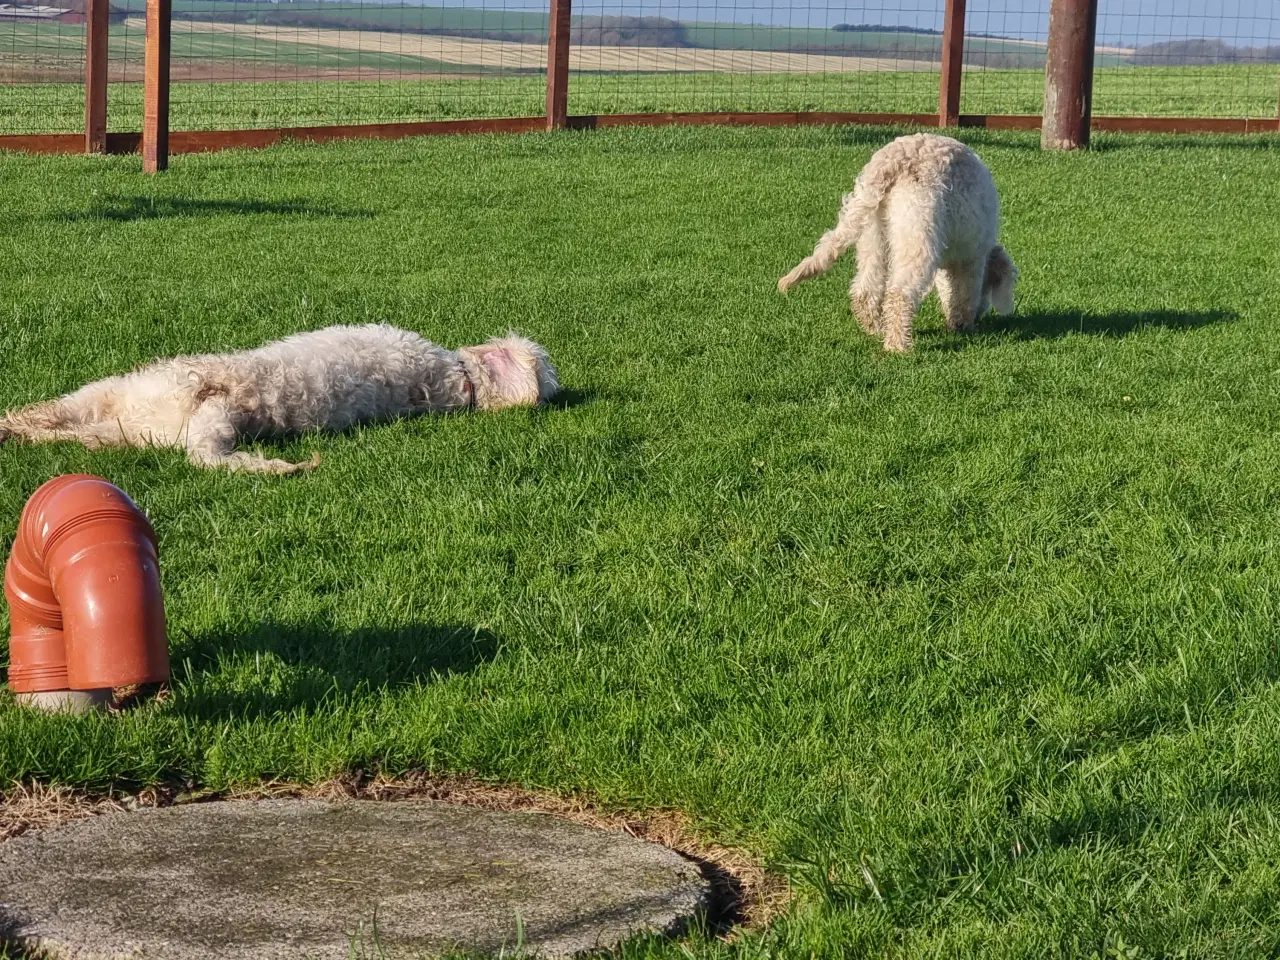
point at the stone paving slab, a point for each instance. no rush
(299, 878)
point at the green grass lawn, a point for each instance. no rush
(978, 645)
(1248, 91)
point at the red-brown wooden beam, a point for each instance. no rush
(95, 76)
(1068, 74)
(952, 62)
(1184, 125)
(558, 65)
(203, 141)
(1000, 121)
(43, 142)
(155, 91)
(208, 140)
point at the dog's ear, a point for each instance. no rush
(499, 362)
(1001, 277)
(517, 372)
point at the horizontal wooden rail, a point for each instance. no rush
(207, 140)
(201, 141)
(1001, 121)
(43, 142)
(1008, 121)
(1186, 125)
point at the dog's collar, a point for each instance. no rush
(468, 385)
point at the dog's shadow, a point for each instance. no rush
(568, 399)
(274, 668)
(126, 209)
(1108, 141)
(1057, 325)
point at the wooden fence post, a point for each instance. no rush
(952, 61)
(155, 93)
(95, 75)
(1068, 74)
(558, 65)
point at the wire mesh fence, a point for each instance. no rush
(1207, 59)
(244, 64)
(239, 64)
(126, 37)
(753, 55)
(42, 57)
(1004, 53)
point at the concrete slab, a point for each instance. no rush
(303, 878)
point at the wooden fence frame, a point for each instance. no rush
(1065, 125)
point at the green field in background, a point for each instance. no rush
(977, 646)
(22, 38)
(1180, 91)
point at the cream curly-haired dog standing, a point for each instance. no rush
(924, 210)
(327, 379)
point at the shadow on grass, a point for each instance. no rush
(1054, 326)
(11, 944)
(568, 399)
(1108, 142)
(979, 136)
(274, 668)
(126, 209)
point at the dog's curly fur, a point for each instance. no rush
(327, 379)
(923, 211)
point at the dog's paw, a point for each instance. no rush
(784, 285)
(305, 466)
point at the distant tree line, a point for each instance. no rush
(882, 28)
(894, 28)
(628, 32)
(1200, 53)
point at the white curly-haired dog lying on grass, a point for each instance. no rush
(328, 379)
(924, 210)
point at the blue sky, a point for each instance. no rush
(1131, 22)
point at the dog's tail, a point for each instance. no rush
(856, 212)
(36, 421)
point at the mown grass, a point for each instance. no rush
(976, 644)
(1240, 91)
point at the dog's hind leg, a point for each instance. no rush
(960, 290)
(866, 292)
(240, 462)
(211, 442)
(913, 262)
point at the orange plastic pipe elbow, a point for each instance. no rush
(83, 585)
